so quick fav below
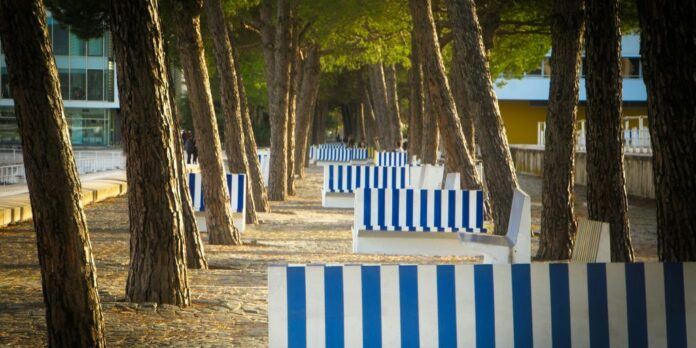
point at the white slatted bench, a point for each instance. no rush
(429, 221)
(236, 188)
(265, 164)
(340, 181)
(521, 305)
(346, 155)
(592, 242)
(391, 158)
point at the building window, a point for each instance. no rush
(78, 47)
(630, 67)
(77, 84)
(5, 83)
(95, 85)
(95, 47)
(60, 40)
(64, 77)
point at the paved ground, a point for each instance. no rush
(229, 300)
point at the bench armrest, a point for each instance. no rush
(484, 238)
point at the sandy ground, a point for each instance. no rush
(229, 300)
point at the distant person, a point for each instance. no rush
(361, 144)
(195, 152)
(338, 138)
(351, 142)
(190, 146)
(184, 136)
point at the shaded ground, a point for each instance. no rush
(229, 300)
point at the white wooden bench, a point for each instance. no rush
(391, 158)
(340, 181)
(236, 188)
(592, 242)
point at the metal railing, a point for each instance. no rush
(86, 161)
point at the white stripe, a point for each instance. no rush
(391, 312)
(352, 306)
(388, 208)
(690, 301)
(314, 280)
(472, 208)
(616, 305)
(359, 203)
(416, 207)
(458, 209)
(466, 305)
(373, 206)
(427, 306)
(198, 192)
(431, 209)
(541, 305)
(502, 282)
(655, 304)
(402, 208)
(277, 307)
(579, 307)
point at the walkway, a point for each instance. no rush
(229, 300)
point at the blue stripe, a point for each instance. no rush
(408, 304)
(438, 209)
(385, 177)
(409, 208)
(339, 169)
(371, 306)
(597, 303)
(381, 207)
(424, 207)
(446, 306)
(331, 178)
(560, 304)
(333, 305)
(297, 307)
(522, 305)
(367, 212)
(674, 304)
(192, 188)
(240, 193)
(485, 306)
(358, 176)
(635, 303)
(402, 183)
(367, 177)
(349, 184)
(479, 209)
(465, 209)
(395, 208)
(451, 197)
(393, 175)
(202, 205)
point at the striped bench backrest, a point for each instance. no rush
(428, 210)
(340, 154)
(520, 305)
(236, 188)
(265, 164)
(392, 158)
(347, 178)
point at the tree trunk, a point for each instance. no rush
(294, 86)
(668, 51)
(234, 130)
(68, 274)
(430, 134)
(606, 185)
(359, 123)
(380, 106)
(347, 121)
(417, 102)
(393, 104)
(466, 115)
(482, 104)
(558, 225)
(440, 97)
(157, 270)
(256, 184)
(307, 96)
(195, 254)
(372, 132)
(218, 215)
(320, 122)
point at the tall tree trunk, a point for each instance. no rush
(218, 215)
(380, 106)
(558, 225)
(68, 274)
(294, 86)
(372, 132)
(417, 102)
(256, 184)
(430, 133)
(668, 51)
(501, 179)
(359, 123)
(466, 115)
(195, 254)
(307, 96)
(320, 122)
(347, 121)
(157, 270)
(393, 104)
(234, 130)
(606, 185)
(440, 97)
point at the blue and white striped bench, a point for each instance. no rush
(236, 188)
(340, 181)
(265, 164)
(340, 155)
(391, 158)
(428, 222)
(521, 305)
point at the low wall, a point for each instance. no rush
(637, 167)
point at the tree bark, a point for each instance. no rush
(482, 104)
(195, 254)
(606, 185)
(558, 225)
(68, 273)
(440, 97)
(307, 96)
(466, 115)
(235, 144)
(372, 132)
(417, 102)
(256, 184)
(430, 134)
(380, 106)
(359, 123)
(320, 122)
(668, 51)
(393, 104)
(157, 270)
(295, 80)
(190, 43)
